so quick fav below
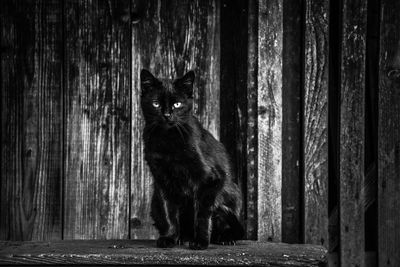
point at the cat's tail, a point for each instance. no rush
(226, 228)
(235, 225)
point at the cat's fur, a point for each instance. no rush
(194, 197)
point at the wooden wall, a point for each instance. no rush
(31, 120)
(304, 95)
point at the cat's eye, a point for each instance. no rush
(156, 104)
(177, 105)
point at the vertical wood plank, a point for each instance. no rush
(292, 56)
(233, 80)
(97, 107)
(170, 38)
(315, 122)
(371, 132)
(335, 25)
(269, 120)
(352, 133)
(30, 123)
(252, 136)
(389, 136)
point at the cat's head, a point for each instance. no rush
(166, 102)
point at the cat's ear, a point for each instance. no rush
(147, 80)
(185, 83)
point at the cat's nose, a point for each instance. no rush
(167, 115)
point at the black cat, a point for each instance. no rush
(194, 197)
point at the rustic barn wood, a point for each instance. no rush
(97, 120)
(334, 72)
(389, 136)
(352, 95)
(233, 84)
(315, 122)
(251, 216)
(245, 253)
(371, 131)
(292, 57)
(71, 155)
(269, 99)
(30, 199)
(184, 36)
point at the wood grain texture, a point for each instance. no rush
(292, 71)
(251, 216)
(145, 253)
(315, 123)
(334, 73)
(269, 119)
(30, 120)
(170, 38)
(389, 136)
(352, 96)
(97, 106)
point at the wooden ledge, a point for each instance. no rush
(144, 252)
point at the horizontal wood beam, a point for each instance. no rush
(132, 252)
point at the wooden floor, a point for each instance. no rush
(144, 252)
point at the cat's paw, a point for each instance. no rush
(165, 242)
(226, 238)
(180, 242)
(198, 244)
(227, 243)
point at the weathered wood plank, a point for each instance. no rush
(113, 252)
(352, 95)
(335, 25)
(269, 119)
(30, 122)
(251, 216)
(233, 80)
(389, 136)
(292, 55)
(170, 38)
(97, 106)
(315, 122)
(371, 132)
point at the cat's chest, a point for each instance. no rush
(171, 157)
(173, 161)
(175, 172)
(169, 150)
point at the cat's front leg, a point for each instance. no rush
(170, 237)
(202, 229)
(203, 207)
(165, 214)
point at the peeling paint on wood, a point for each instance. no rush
(352, 133)
(170, 38)
(269, 119)
(30, 198)
(389, 136)
(316, 123)
(97, 105)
